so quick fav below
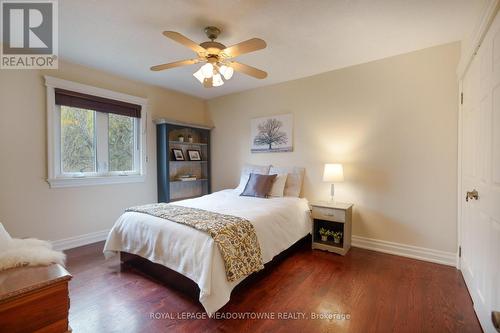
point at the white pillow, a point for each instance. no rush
(247, 170)
(278, 185)
(294, 180)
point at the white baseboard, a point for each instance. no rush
(410, 251)
(76, 241)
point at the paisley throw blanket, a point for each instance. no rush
(235, 237)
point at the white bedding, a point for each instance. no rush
(278, 222)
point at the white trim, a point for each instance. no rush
(76, 241)
(92, 181)
(55, 178)
(54, 82)
(410, 251)
(480, 31)
(52, 133)
(459, 173)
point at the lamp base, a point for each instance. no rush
(332, 192)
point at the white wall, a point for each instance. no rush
(392, 122)
(28, 207)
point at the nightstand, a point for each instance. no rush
(333, 216)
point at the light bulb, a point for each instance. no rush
(217, 80)
(199, 75)
(226, 71)
(207, 70)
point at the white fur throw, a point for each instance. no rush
(26, 252)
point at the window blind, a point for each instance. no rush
(101, 104)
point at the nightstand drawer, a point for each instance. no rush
(329, 214)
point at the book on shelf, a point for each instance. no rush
(185, 178)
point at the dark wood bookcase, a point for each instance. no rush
(170, 187)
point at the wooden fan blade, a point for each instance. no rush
(175, 64)
(247, 46)
(179, 38)
(248, 70)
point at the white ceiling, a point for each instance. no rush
(303, 37)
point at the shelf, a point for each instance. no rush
(170, 187)
(185, 198)
(330, 243)
(187, 143)
(189, 181)
(336, 249)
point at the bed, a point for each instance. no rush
(279, 223)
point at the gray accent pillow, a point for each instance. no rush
(258, 185)
(247, 170)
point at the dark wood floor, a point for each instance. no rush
(378, 293)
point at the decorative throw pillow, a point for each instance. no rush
(258, 185)
(293, 185)
(247, 170)
(279, 185)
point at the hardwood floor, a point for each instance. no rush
(378, 293)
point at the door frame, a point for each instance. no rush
(483, 25)
(459, 174)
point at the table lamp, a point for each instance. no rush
(333, 173)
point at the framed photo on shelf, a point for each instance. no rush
(194, 155)
(178, 154)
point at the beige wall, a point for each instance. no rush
(393, 123)
(28, 207)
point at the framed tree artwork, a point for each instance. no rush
(272, 134)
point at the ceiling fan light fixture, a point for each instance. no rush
(218, 64)
(208, 83)
(217, 80)
(199, 75)
(226, 71)
(207, 70)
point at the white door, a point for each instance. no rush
(480, 227)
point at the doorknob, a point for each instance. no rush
(495, 318)
(472, 195)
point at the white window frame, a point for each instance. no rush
(56, 178)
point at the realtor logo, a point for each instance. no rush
(29, 34)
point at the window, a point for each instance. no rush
(121, 142)
(94, 139)
(78, 141)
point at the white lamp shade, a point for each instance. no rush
(207, 70)
(217, 80)
(226, 71)
(333, 173)
(199, 76)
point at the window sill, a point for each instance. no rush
(92, 181)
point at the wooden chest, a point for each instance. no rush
(34, 299)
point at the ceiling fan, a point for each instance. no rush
(217, 58)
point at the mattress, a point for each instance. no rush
(278, 223)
